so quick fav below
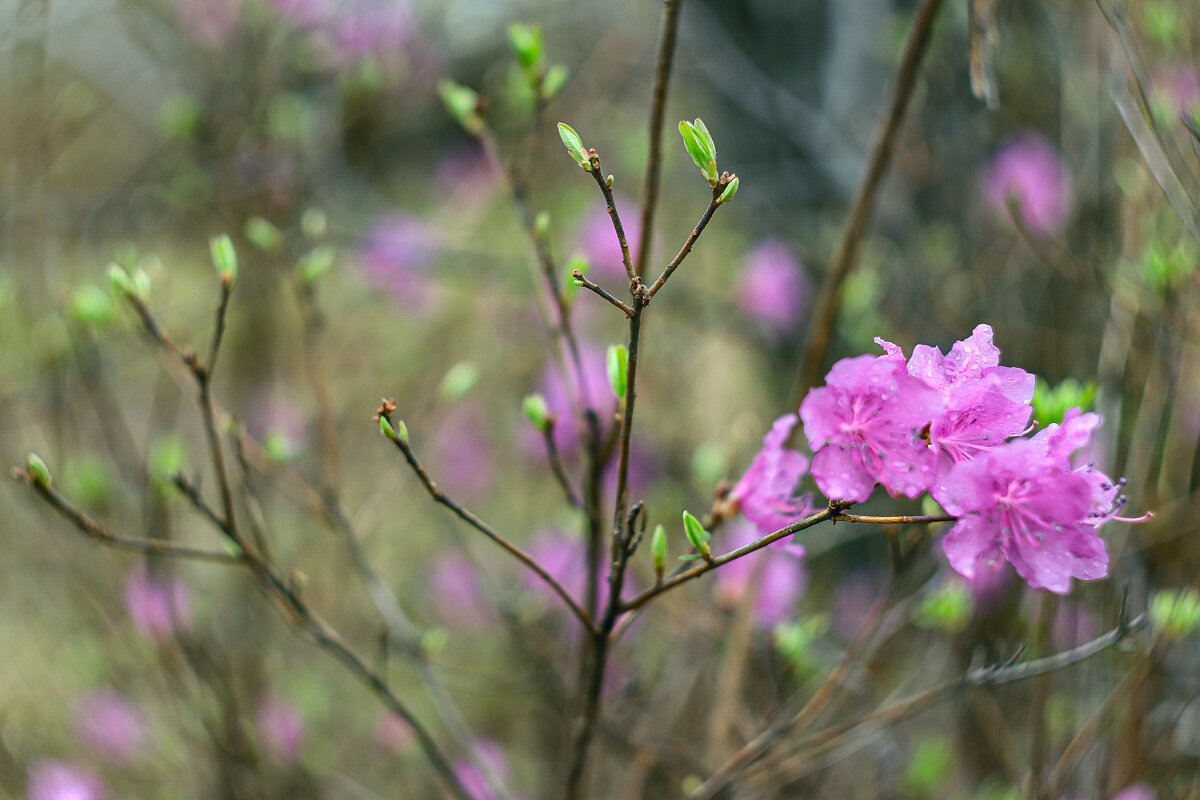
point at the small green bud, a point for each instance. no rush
(433, 641)
(1175, 614)
(38, 469)
(536, 411)
(697, 535)
(168, 455)
(541, 224)
(658, 547)
(574, 145)
(315, 263)
(556, 78)
(402, 431)
(609, 181)
(141, 285)
(618, 370)
(458, 381)
(91, 305)
(700, 146)
(314, 224)
(224, 258)
(386, 428)
(118, 278)
(570, 284)
(277, 448)
(263, 234)
(462, 103)
(526, 41)
(730, 190)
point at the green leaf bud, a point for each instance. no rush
(618, 370)
(118, 278)
(315, 263)
(386, 428)
(263, 234)
(574, 145)
(700, 147)
(92, 305)
(536, 411)
(1175, 614)
(541, 224)
(458, 381)
(658, 547)
(141, 285)
(402, 431)
(697, 535)
(224, 258)
(462, 103)
(38, 470)
(555, 80)
(314, 224)
(526, 41)
(168, 455)
(730, 190)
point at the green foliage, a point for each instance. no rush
(574, 145)
(91, 305)
(536, 411)
(263, 234)
(462, 103)
(458, 381)
(224, 258)
(38, 469)
(947, 608)
(697, 535)
(1175, 614)
(168, 456)
(794, 641)
(1168, 264)
(928, 766)
(1050, 404)
(618, 370)
(701, 147)
(526, 41)
(315, 263)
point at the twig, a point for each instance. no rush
(475, 522)
(582, 280)
(556, 467)
(611, 205)
(691, 240)
(928, 519)
(662, 76)
(99, 532)
(824, 316)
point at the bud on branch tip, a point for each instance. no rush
(574, 145)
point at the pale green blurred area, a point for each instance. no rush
(133, 132)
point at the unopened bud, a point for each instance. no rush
(536, 411)
(38, 469)
(697, 535)
(224, 258)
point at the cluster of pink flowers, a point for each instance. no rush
(953, 426)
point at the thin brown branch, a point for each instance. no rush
(99, 532)
(556, 467)
(928, 519)
(475, 522)
(598, 174)
(582, 280)
(825, 314)
(668, 31)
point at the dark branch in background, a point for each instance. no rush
(824, 317)
(560, 471)
(662, 76)
(440, 497)
(582, 280)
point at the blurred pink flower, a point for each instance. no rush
(472, 777)
(558, 393)
(466, 174)
(209, 23)
(345, 31)
(774, 287)
(393, 733)
(280, 728)
(455, 591)
(55, 780)
(396, 253)
(782, 576)
(766, 493)
(1139, 791)
(565, 559)
(109, 726)
(598, 241)
(464, 452)
(1179, 89)
(159, 608)
(1029, 169)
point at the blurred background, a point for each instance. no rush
(382, 255)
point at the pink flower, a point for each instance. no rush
(209, 23)
(473, 779)
(985, 404)
(55, 780)
(1178, 89)
(591, 386)
(866, 425)
(464, 452)
(455, 591)
(158, 608)
(1138, 791)
(773, 287)
(110, 726)
(598, 240)
(781, 577)
(393, 733)
(564, 558)
(1016, 503)
(280, 729)
(765, 492)
(1029, 169)
(396, 253)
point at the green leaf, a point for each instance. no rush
(224, 258)
(526, 41)
(314, 224)
(315, 263)
(263, 234)
(92, 305)
(618, 370)
(574, 145)
(700, 146)
(462, 103)
(386, 428)
(730, 191)
(1175, 614)
(555, 80)
(536, 411)
(696, 534)
(458, 381)
(658, 547)
(38, 469)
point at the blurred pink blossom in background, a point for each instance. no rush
(280, 729)
(109, 726)
(55, 780)
(774, 287)
(1179, 89)
(558, 393)
(455, 591)
(472, 777)
(599, 245)
(1029, 169)
(209, 23)
(393, 733)
(345, 31)
(780, 570)
(396, 254)
(159, 608)
(463, 452)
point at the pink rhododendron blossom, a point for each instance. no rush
(765, 492)
(1016, 503)
(393, 734)
(866, 425)
(280, 729)
(396, 253)
(779, 572)
(773, 287)
(558, 390)
(985, 404)
(456, 593)
(55, 780)
(1030, 170)
(109, 726)
(159, 608)
(598, 241)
